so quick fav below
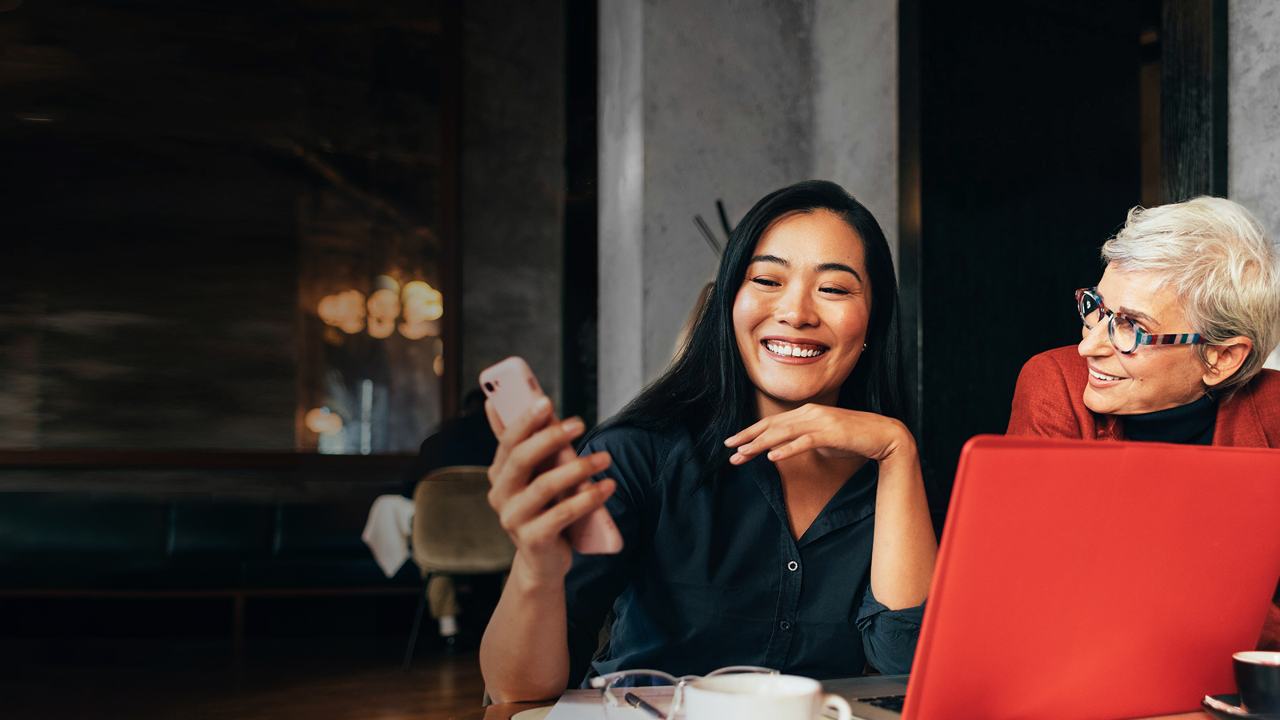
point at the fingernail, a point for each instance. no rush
(572, 426)
(601, 460)
(728, 442)
(735, 458)
(773, 455)
(542, 405)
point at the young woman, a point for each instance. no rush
(767, 490)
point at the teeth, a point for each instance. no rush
(1100, 376)
(787, 349)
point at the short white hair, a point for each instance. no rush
(1217, 258)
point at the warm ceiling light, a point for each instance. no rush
(422, 302)
(384, 304)
(344, 310)
(323, 421)
(381, 327)
(418, 310)
(418, 304)
(418, 288)
(418, 330)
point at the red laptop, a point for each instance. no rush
(1093, 580)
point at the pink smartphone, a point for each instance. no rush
(513, 389)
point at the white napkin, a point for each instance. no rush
(582, 705)
(388, 531)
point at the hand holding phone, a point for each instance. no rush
(513, 389)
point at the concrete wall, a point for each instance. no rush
(699, 101)
(620, 363)
(512, 186)
(1253, 163)
(855, 103)
(725, 99)
(727, 114)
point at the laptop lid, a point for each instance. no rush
(1096, 580)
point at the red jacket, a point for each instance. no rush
(1049, 402)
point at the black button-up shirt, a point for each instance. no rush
(711, 575)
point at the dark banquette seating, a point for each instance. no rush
(232, 524)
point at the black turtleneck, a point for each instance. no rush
(1190, 424)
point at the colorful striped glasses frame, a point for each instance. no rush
(1140, 336)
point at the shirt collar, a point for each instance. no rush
(854, 500)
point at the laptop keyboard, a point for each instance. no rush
(888, 702)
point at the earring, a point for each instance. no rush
(864, 346)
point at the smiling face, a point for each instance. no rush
(800, 317)
(1155, 377)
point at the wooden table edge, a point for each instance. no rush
(504, 711)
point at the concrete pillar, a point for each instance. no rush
(730, 99)
(855, 113)
(1253, 126)
(620, 365)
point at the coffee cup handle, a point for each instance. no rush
(840, 705)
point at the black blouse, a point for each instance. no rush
(711, 576)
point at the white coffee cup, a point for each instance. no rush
(760, 697)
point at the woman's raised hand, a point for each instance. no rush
(528, 490)
(831, 431)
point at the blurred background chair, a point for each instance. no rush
(455, 532)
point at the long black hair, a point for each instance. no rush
(707, 389)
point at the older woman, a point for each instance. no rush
(1175, 335)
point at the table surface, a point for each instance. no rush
(504, 711)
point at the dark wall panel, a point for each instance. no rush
(1029, 159)
(160, 161)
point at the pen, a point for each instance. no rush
(634, 701)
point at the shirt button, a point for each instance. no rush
(793, 566)
(785, 625)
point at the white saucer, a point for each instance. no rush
(532, 713)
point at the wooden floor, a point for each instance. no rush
(315, 679)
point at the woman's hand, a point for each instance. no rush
(831, 431)
(903, 547)
(527, 489)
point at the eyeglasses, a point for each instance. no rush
(1122, 330)
(653, 694)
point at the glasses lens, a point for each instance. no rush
(1089, 307)
(635, 696)
(1124, 334)
(742, 670)
(648, 694)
